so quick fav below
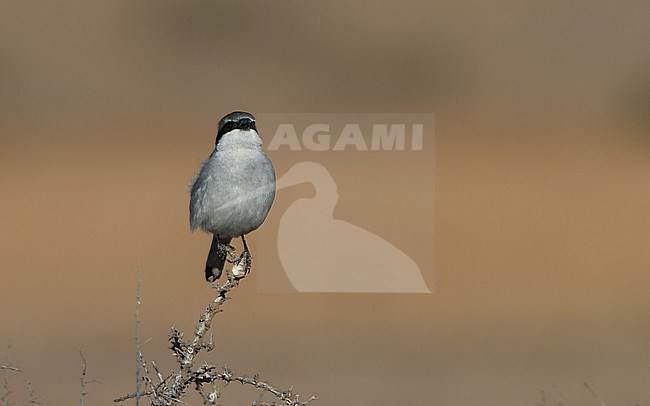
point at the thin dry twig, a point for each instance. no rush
(31, 400)
(5, 386)
(138, 348)
(83, 381)
(594, 394)
(287, 397)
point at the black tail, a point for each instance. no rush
(216, 259)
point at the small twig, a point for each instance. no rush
(32, 397)
(5, 387)
(138, 349)
(158, 374)
(147, 377)
(287, 397)
(83, 381)
(593, 392)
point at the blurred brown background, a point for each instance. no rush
(542, 194)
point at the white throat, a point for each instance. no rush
(238, 139)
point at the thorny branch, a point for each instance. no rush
(206, 374)
(168, 390)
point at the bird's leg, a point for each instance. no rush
(242, 263)
(247, 256)
(229, 251)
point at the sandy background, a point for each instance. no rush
(542, 194)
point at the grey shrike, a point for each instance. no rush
(234, 191)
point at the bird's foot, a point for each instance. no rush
(243, 264)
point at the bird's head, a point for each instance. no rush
(237, 120)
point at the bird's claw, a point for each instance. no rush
(242, 265)
(245, 257)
